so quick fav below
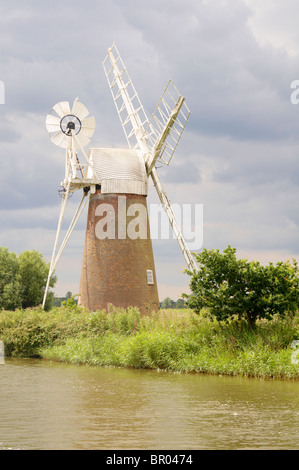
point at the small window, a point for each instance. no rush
(150, 276)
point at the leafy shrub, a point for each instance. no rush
(228, 286)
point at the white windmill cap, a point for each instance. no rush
(119, 170)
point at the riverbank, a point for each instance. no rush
(176, 340)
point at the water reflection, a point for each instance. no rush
(46, 405)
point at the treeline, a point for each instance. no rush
(22, 280)
(165, 304)
(169, 303)
(58, 301)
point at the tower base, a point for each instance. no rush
(118, 263)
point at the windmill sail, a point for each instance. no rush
(129, 108)
(157, 138)
(166, 126)
(168, 209)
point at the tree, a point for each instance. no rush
(168, 303)
(58, 301)
(68, 295)
(229, 286)
(180, 303)
(10, 287)
(23, 279)
(33, 277)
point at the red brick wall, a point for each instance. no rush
(114, 270)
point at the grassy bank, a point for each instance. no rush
(175, 340)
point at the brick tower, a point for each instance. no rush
(118, 264)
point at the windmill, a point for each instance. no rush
(117, 268)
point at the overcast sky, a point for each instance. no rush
(233, 60)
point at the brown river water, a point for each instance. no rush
(56, 406)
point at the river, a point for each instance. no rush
(55, 406)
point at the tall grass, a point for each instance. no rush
(175, 340)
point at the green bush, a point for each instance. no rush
(228, 286)
(25, 332)
(23, 280)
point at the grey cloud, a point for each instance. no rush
(8, 132)
(234, 86)
(259, 169)
(180, 173)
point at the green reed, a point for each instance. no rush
(175, 340)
